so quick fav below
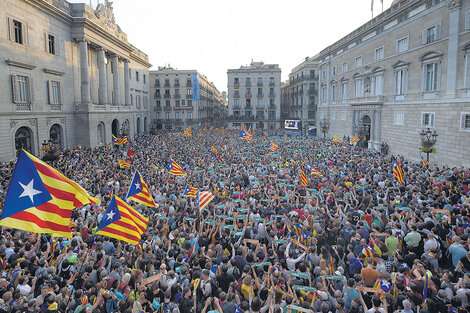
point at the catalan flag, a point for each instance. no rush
(369, 253)
(124, 164)
(355, 139)
(329, 264)
(313, 171)
(336, 139)
(190, 191)
(175, 169)
(398, 173)
(273, 146)
(245, 135)
(215, 150)
(40, 199)
(119, 141)
(424, 160)
(139, 192)
(303, 178)
(203, 198)
(298, 228)
(123, 222)
(425, 290)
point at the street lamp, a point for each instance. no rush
(428, 140)
(324, 126)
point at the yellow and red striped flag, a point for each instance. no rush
(398, 173)
(119, 141)
(123, 222)
(273, 146)
(203, 198)
(40, 199)
(336, 139)
(355, 139)
(175, 169)
(124, 164)
(215, 150)
(190, 192)
(139, 192)
(303, 179)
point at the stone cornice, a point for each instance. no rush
(20, 64)
(53, 72)
(51, 9)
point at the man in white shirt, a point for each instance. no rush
(290, 260)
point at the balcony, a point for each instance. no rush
(177, 96)
(379, 100)
(176, 84)
(248, 84)
(236, 95)
(167, 108)
(157, 108)
(189, 96)
(248, 96)
(157, 84)
(272, 95)
(312, 92)
(259, 84)
(178, 108)
(190, 107)
(236, 85)
(260, 107)
(167, 96)
(189, 83)
(272, 107)
(271, 83)
(167, 84)
(248, 106)
(236, 106)
(158, 96)
(259, 95)
(312, 106)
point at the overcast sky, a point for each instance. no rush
(215, 35)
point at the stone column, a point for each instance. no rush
(117, 92)
(103, 86)
(353, 123)
(372, 130)
(127, 95)
(378, 126)
(84, 73)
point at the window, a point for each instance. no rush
(334, 88)
(236, 83)
(431, 34)
(358, 61)
(177, 103)
(157, 82)
(21, 89)
(343, 115)
(260, 81)
(132, 99)
(358, 87)
(271, 102)
(378, 85)
(190, 103)
(248, 81)
(344, 91)
(167, 115)
(311, 114)
(465, 121)
(271, 80)
(260, 91)
(333, 70)
(51, 48)
(401, 81)
(167, 103)
(189, 92)
(145, 79)
(17, 31)
(431, 76)
(402, 45)
(333, 115)
(190, 115)
(312, 73)
(467, 20)
(260, 102)
(398, 118)
(137, 76)
(427, 119)
(323, 94)
(158, 103)
(322, 115)
(158, 115)
(236, 102)
(379, 53)
(323, 74)
(344, 67)
(177, 115)
(55, 95)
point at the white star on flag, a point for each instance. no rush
(137, 186)
(111, 215)
(29, 191)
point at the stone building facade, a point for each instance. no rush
(254, 96)
(173, 104)
(69, 75)
(406, 70)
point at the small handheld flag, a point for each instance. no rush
(245, 135)
(355, 139)
(203, 198)
(424, 160)
(190, 192)
(119, 141)
(273, 146)
(336, 139)
(124, 164)
(175, 169)
(303, 179)
(139, 192)
(313, 171)
(398, 173)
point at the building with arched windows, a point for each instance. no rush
(404, 71)
(69, 75)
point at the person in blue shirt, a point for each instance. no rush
(350, 292)
(457, 251)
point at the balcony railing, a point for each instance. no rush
(176, 84)
(248, 106)
(260, 106)
(312, 106)
(259, 84)
(236, 95)
(272, 107)
(189, 107)
(248, 84)
(248, 96)
(189, 96)
(259, 95)
(312, 92)
(272, 95)
(158, 96)
(167, 96)
(157, 108)
(177, 108)
(236, 106)
(189, 83)
(177, 96)
(167, 84)
(167, 108)
(157, 84)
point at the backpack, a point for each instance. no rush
(214, 287)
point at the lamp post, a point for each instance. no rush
(428, 140)
(324, 126)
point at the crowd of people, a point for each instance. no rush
(352, 240)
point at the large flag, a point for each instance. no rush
(124, 164)
(336, 139)
(123, 222)
(273, 146)
(139, 192)
(303, 178)
(215, 150)
(355, 139)
(203, 198)
(119, 141)
(313, 171)
(175, 169)
(424, 160)
(245, 135)
(40, 199)
(190, 191)
(398, 173)
(187, 133)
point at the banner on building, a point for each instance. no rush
(196, 88)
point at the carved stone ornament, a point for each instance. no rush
(32, 122)
(454, 4)
(62, 120)
(106, 10)
(367, 83)
(13, 124)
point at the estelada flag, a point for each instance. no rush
(175, 169)
(273, 146)
(123, 222)
(139, 192)
(40, 199)
(190, 192)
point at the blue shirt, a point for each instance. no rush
(457, 252)
(352, 293)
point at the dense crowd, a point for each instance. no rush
(352, 240)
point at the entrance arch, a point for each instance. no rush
(366, 122)
(145, 124)
(55, 133)
(115, 128)
(101, 135)
(138, 125)
(24, 139)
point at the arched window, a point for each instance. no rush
(23, 139)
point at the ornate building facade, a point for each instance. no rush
(69, 75)
(406, 70)
(173, 103)
(254, 96)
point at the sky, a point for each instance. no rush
(215, 35)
